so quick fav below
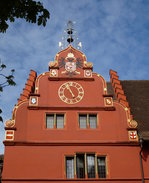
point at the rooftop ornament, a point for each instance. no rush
(70, 37)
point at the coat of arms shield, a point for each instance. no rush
(70, 66)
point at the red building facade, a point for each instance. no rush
(67, 127)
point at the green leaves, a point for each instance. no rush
(6, 80)
(1, 88)
(30, 10)
(3, 66)
(1, 119)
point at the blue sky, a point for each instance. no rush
(114, 35)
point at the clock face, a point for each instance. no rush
(71, 92)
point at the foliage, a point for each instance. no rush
(30, 10)
(5, 80)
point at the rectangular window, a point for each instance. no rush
(55, 121)
(59, 121)
(88, 121)
(50, 121)
(93, 121)
(80, 163)
(91, 166)
(101, 162)
(86, 166)
(83, 121)
(70, 167)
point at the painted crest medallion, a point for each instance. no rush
(70, 64)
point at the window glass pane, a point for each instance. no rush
(80, 166)
(59, 121)
(91, 166)
(83, 121)
(50, 121)
(70, 167)
(93, 121)
(101, 167)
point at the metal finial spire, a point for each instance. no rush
(70, 37)
(70, 31)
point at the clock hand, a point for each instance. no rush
(68, 88)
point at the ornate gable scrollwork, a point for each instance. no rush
(53, 64)
(70, 63)
(10, 123)
(133, 124)
(88, 65)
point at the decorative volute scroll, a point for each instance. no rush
(9, 127)
(53, 64)
(88, 65)
(10, 123)
(133, 124)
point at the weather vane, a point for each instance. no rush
(70, 37)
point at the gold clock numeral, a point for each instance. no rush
(74, 100)
(78, 86)
(73, 84)
(81, 93)
(80, 90)
(78, 98)
(61, 93)
(70, 84)
(63, 98)
(71, 102)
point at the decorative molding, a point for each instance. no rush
(67, 143)
(133, 136)
(88, 65)
(11, 128)
(112, 108)
(108, 101)
(88, 73)
(70, 79)
(53, 64)
(34, 94)
(107, 95)
(53, 72)
(75, 180)
(33, 101)
(132, 123)
(9, 135)
(10, 123)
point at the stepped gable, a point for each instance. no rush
(110, 90)
(29, 86)
(137, 96)
(118, 90)
(134, 95)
